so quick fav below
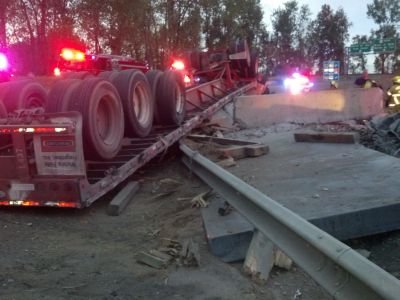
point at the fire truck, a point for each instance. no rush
(106, 117)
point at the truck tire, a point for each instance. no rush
(103, 123)
(153, 77)
(108, 75)
(137, 100)
(171, 102)
(4, 139)
(23, 94)
(60, 93)
(3, 110)
(78, 75)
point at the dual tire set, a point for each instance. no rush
(113, 105)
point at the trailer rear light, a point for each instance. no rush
(178, 65)
(72, 54)
(62, 204)
(20, 203)
(37, 203)
(33, 130)
(3, 62)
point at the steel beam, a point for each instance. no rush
(343, 272)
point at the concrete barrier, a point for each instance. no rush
(312, 107)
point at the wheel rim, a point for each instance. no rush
(180, 101)
(103, 122)
(141, 104)
(34, 101)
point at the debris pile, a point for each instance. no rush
(382, 133)
(171, 251)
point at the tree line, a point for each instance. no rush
(34, 31)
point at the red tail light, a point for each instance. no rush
(33, 130)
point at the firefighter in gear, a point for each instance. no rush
(394, 92)
(362, 81)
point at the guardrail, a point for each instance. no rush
(343, 272)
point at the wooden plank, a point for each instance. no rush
(121, 200)
(256, 150)
(327, 137)
(221, 141)
(259, 258)
(151, 260)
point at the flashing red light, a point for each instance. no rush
(3, 62)
(298, 83)
(72, 54)
(57, 72)
(178, 65)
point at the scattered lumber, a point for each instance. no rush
(327, 137)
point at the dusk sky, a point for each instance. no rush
(356, 11)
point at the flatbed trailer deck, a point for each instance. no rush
(46, 166)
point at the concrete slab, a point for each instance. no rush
(228, 236)
(347, 190)
(312, 107)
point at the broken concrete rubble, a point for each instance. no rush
(383, 134)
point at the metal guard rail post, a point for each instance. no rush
(343, 272)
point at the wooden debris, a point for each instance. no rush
(190, 255)
(259, 258)
(218, 134)
(166, 187)
(122, 199)
(281, 260)
(225, 210)
(151, 260)
(256, 150)
(199, 201)
(170, 243)
(327, 137)
(162, 195)
(162, 255)
(227, 163)
(238, 152)
(170, 181)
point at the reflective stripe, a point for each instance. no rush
(396, 98)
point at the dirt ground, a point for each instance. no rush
(86, 254)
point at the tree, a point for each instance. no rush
(385, 13)
(228, 20)
(4, 7)
(290, 25)
(358, 62)
(328, 34)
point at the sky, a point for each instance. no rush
(356, 11)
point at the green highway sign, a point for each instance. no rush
(375, 45)
(379, 48)
(365, 47)
(389, 44)
(375, 42)
(355, 48)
